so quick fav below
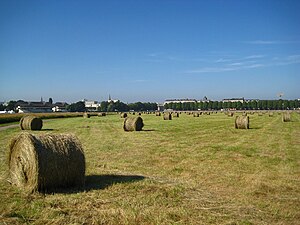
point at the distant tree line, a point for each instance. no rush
(251, 105)
(117, 106)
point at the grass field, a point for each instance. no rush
(189, 170)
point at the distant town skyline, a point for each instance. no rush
(149, 51)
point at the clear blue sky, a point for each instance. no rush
(149, 50)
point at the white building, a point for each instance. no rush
(180, 101)
(91, 105)
(111, 100)
(234, 100)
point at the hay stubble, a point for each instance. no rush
(194, 170)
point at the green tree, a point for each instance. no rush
(111, 107)
(103, 106)
(200, 105)
(286, 104)
(296, 104)
(214, 105)
(11, 105)
(2, 107)
(76, 107)
(225, 105)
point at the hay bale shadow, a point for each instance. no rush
(148, 130)
(98, 182)
(47, 129)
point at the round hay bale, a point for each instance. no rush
(175, 114)
(286, 117)
(86, 115)
(271, 114)
(133, 124)
(31, 123)
(157, 114)
(196, 114)
(46, 162)
(241, 122)
(133, 113)
(230, 114)
(101, 114)
(123, 115)
(167, 116)
(244, 114)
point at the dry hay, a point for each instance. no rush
(271, 114)
(139, 114)
(31, 123)
(260, 114)
(133, 124)
(123, 115)
(196, 114)
(241, 122)
(230, 114)
(167, 116)
(175, 114)
(286, 117)
(157, 114)
(101, 114)
(46, 162)
(245, 114)
(133, 113)
(86, 115)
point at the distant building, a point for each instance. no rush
(111, 100)
(180, 101)
(33, 107)
(91, 105)
(40, 107)
(160, 107)
(60, 107)
(251, 100)
(242, 100)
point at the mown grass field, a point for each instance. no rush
(190, 170)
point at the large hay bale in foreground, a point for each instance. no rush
(123, 115)
(167, 116)
(46, 162)
(133, 124)
(241, 122)
(286, 117)
(86, 115)
(31, 123)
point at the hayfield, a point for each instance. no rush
(188, 170)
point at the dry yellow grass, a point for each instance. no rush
(185, 171)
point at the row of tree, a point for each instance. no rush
(252, 105)
(118, 106)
